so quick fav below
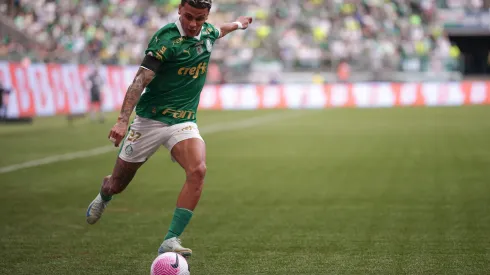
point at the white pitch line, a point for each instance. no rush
(211, 129)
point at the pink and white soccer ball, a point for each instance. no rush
(170, 263)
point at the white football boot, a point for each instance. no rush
(95, 209)
(174, 245)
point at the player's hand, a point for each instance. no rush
(245, 20)
(118, 132)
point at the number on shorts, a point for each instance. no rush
(133, 136)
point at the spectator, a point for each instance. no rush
(300, 34)
(94, 84)
(4, 92)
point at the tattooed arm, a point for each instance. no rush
(141, 80)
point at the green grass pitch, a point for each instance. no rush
(339, 191)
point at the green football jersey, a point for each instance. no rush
(173, 95)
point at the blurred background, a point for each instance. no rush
(290, 40)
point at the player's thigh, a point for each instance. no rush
(190, 154)
(143, 139)
(186, 146)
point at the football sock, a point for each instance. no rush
(180, 220)
(105, 197)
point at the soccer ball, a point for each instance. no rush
(170, 263)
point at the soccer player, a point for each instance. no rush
(173, 73)
(95, 83)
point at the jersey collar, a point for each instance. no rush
(181, 30)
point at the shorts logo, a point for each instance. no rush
(188, 128)
(128, 150)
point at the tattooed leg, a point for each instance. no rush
(121, 176)
(123, 171)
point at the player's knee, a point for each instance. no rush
(197, 172)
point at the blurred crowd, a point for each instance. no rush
(297, 34)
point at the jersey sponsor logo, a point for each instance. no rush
(179, 113)
(195, 72)
(160, 52)
(187, 52)
(178, 40)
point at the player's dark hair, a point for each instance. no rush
(198, 4)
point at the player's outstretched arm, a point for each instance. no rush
(141, 80)
(241, 23)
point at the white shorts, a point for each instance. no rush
(146, 135)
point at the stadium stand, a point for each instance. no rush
(293, 35)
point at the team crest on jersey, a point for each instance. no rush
(199, 50)
(209, 46)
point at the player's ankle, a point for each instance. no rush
(105, 197)
(181, 218)
(170, 235)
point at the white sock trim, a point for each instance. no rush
(186, 209)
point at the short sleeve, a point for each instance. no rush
(213, 31)
(159, 48)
